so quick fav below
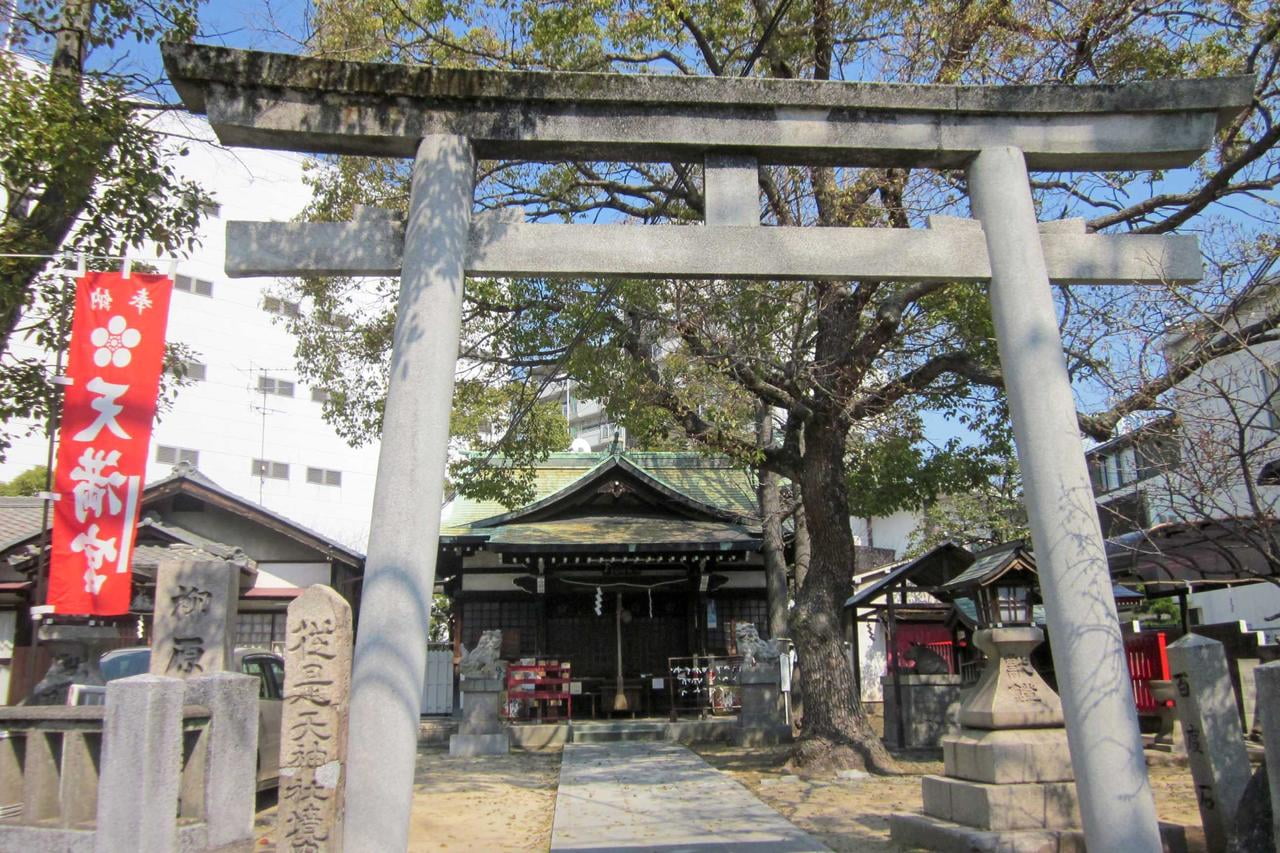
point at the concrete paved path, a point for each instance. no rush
(662, 797)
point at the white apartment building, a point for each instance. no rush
(1219, 457)
(246, 421)
(591, 427)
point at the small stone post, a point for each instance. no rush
(313, 747)
(1211, 733)
(194, 626)
(1267, 678)
(229, 772)
(141, 766)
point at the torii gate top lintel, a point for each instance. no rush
(272, 100)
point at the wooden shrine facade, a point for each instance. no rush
(660, 551)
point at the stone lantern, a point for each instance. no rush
(1008, 772)
(1007, 601)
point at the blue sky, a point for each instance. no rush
(278, 24)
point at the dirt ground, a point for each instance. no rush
(507, 803)
(848, 815)
(499, 803)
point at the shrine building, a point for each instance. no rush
(659, 553)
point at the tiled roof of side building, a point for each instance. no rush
(19, 518)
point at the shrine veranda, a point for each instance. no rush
(447, 118)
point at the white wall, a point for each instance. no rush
(873, 658)
(1257, 604)
(222, 417)
(889, 531)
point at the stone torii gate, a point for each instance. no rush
(446, 118)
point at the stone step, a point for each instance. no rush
(608, 733)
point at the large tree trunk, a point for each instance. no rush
(775, 561)
(836, 733)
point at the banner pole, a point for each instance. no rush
(55, 420)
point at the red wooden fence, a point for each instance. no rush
(1148, 661)
(935, 637)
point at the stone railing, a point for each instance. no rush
(165, 765)
(50, 758)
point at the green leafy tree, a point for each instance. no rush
(82, 168)
(29, 482)
(847, 367)
(989, 514)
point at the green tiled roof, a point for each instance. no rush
(707, 480)
(625, 533)
(988, 563)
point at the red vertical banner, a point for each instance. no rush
(114, 362)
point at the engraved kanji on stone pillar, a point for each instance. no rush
(195, 617)
(313, 744)
(1211, 732)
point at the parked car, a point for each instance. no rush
(267, 667)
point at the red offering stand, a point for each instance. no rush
(539, 691)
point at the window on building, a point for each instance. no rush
(1116, 469)
(192, 370)
(166, 455)
(191, 284)
(271, 385)
(1271, 395)
(211, 209)
(283, 307)
(1157, 455)
(267, 468)
(324, 477)
(261, 630)
(319, 395)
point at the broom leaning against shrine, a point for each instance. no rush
(446, 118)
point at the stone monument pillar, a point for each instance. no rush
(1267, 678)
(1008, 771)
(193, 633)
(194, 628)
(1211, 734)
(313, 745)
(482, 681)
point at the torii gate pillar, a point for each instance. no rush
(1088, 652)
(395, 604)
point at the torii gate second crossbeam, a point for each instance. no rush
(445, 118)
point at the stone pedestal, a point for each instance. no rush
(930, 706)
(1008, 782)
(1169, 737)
(75, 650)
(481, 731)
(763, 718)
